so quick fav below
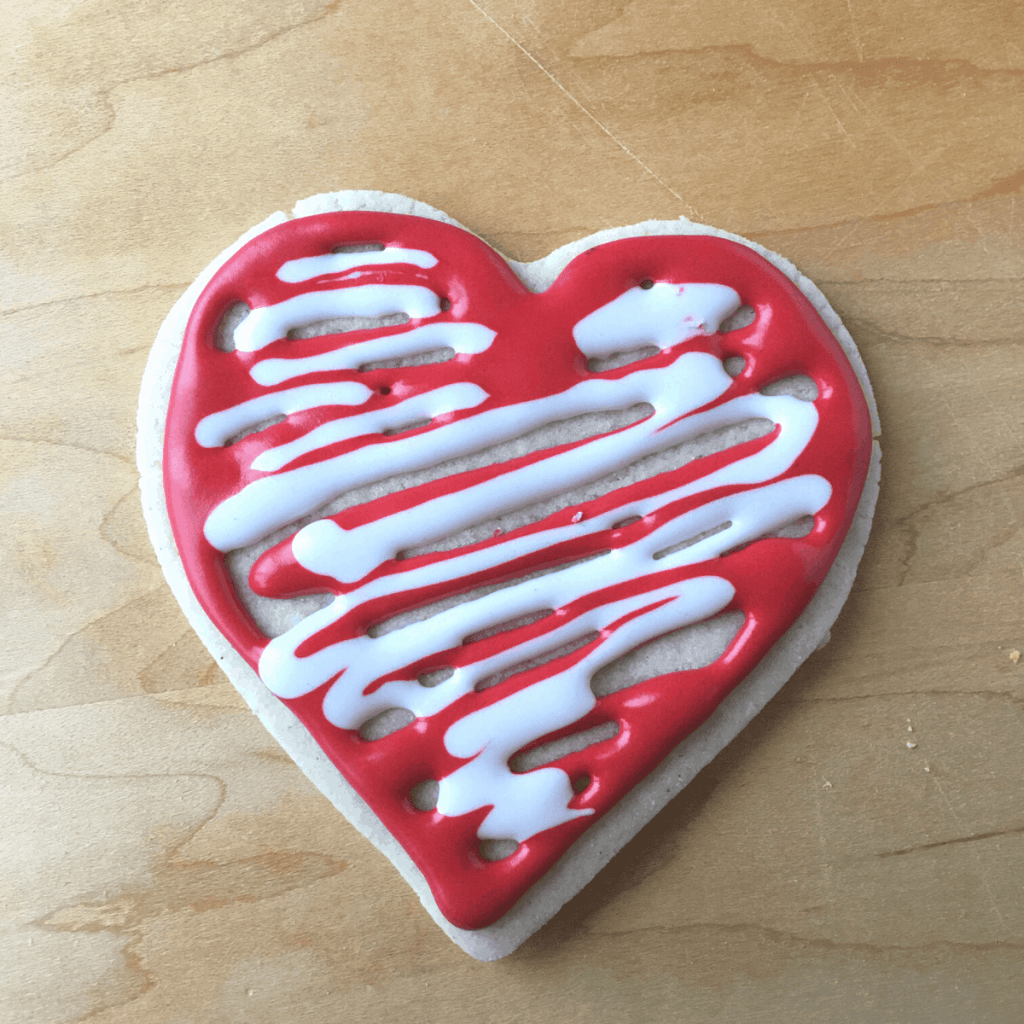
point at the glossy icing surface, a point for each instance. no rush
(520, 363)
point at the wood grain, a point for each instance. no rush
(161, 860)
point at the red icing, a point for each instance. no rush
(532, 356)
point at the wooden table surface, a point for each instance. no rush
(161, 860)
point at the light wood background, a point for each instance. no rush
(161, 860)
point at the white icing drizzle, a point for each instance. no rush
(451, 398)
(499, 730)
(349, 555)
(663, 314)
(269, 323)
(694, 379)
(528, 803)
(365, 658)
(309, 267)
(214, 430)
(463, 338)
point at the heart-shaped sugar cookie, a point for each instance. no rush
(502, 553)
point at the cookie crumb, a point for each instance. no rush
(1015, 656)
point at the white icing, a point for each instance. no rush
(451, 398)
(694, 379)
(309, 267)
(269, 323)
(782, 503)
(750, 514)
(214, 430)
(663, 315)
(463, 338)
(528, 803)
(349, 555)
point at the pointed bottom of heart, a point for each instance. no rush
(490, 907)
(471, 892)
